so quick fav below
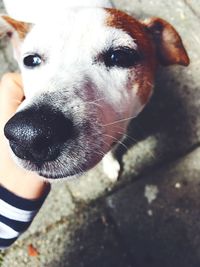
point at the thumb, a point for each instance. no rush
(11, 96)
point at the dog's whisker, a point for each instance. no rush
(114, 122)
(96, 100)
(126, 136)
(150, 83)
(131, 138)
(114, 126)
(107, 144)
(95, 104)
(99, 153)
(136, 142)
(117, 141)
(64, 164)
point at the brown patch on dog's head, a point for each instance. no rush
(20, 27)
(145, 70)
(158, 43)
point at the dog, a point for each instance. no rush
(86, 70)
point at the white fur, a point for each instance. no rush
(33, 10)
(111, 167)
(73, 80)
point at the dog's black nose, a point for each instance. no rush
(37, 134)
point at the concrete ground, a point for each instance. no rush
(151, 216)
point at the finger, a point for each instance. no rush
(11, 95)
(11, 88)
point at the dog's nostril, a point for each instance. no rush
(38, 134)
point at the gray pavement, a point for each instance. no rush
(161, 226)
(150, 217)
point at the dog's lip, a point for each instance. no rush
(59, 176)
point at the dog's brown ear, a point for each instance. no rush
(10, 26)
(169, 46)
(15, 30)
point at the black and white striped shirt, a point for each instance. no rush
(16, 214)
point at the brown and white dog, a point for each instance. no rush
(86, 71)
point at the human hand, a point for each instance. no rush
(23, 183)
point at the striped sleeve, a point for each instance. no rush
(16, 214)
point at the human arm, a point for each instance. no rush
(22, 193)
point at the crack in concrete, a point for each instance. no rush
(191, 8)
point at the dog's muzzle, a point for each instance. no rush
(38, 134)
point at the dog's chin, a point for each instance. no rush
(65, 167)
(55, 174)
(49, 172)
(46, 174)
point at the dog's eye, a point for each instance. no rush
(32, 61)
(122, 57)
